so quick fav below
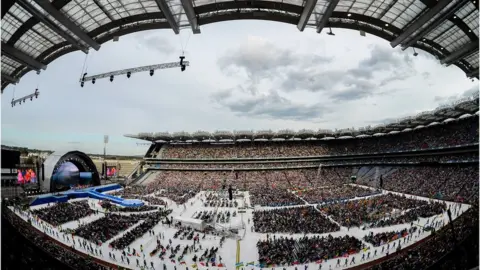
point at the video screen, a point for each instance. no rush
(112, 171)
(68, 175)
(26, 176)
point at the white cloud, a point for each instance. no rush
(263, 75)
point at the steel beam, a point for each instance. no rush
(306, 13)
(104, 10)
(328, 13)
(419, 22)
(71, 26)
(22, 57)
(445, 16)
(167, 12)
(473, 73)
(191, 16)
(460, 53)
(9, 79)
(50, 24)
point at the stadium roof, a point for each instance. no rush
(468, 106)
(36, 32)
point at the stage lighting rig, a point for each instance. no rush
(182, 64)
(19, 100)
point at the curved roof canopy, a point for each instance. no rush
(457, 110)
(36, 32)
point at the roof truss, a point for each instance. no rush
(419, 22)
(445, 16)
(163, 6)
(71, 26)
(21, 57)
(50, 24)
(328, 13)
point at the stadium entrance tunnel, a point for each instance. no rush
(66, 169)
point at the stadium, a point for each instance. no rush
(400, 194)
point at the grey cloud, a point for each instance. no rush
(449, 99)
(356, 89)
(382, 59)
(259, 59)
(270, 106)
(426, 75)
(357, 82)
(158, 43)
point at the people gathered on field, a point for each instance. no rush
(61, 213)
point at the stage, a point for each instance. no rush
(91, 192)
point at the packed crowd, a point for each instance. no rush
(61, 213)
(453, 183)
(379, 211)
(147, 225)
(459, 132)
(379, 239)
(69, 257)
(329, 194)
(437, 246)
(283, 251)
(292, 220)
(104, 229)
(452, 158)
(213, 200)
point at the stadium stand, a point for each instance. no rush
(367, 203)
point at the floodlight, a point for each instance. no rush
(111, 78)
(81, 84)
(129, 74)
(93, 81)
(151, 72)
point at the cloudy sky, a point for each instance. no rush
(244, 75)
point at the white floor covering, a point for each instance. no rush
(248, 250)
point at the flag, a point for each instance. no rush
(319, 262)
(240, 264)
(194, 266)
(250, 263)
(182, 262)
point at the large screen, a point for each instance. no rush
(68, 175)
(26, 176)
(111, 171)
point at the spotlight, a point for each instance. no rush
(183, 68)
(129, 74)
(181, 59)
(81, 84)
(151, 72)
(31, 98)
(111, 78)
(414, 52)
(93, 81)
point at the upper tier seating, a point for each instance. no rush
(464, 131)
